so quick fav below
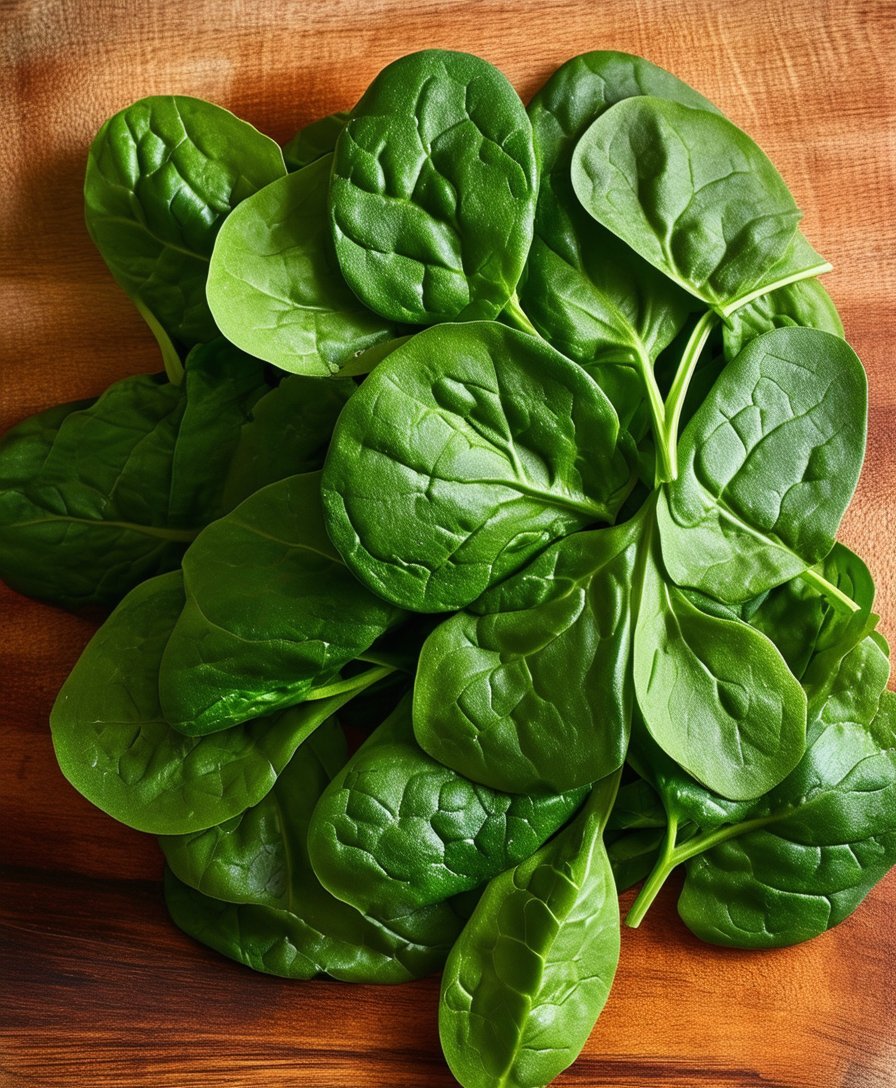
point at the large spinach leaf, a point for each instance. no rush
(489, 699)
(115, 746)
(433, 190)
(462, 455)
(694, 196)
(769, 463)
(585, 290)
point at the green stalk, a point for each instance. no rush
(675, 400)
(673, 855)
(354, 683)
(837, 597)
(518, 318)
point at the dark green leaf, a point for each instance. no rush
(433, 190)
(467, 451)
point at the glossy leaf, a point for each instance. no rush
(489, 700)
(271, 612)
(102, 495)
(274, 284)
(585, 290)
(715, 693)
(255, 856)
(162, 176)
(814, 849)
(485, 440)
(695, 197)
(433, 190)
(768, 465)
(114, 745)
(531, 971)
(395, 830)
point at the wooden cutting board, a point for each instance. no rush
(99, 988)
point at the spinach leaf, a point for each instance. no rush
(532, 969)
(395, 830)
(274, 284)
(853, 698)
(314, 141)
(715, 693)
(585, 290)
(251, 858)
(816, 847)
(488, 443)
(487, 700)
(102, 495)
(769, 463)
(433, 190)
(162, 175)
(318, 936)
(114, 745)
(271, 613)
(805, 303)
(84, 495)
(694, 196)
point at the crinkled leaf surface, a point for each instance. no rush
(768, 464)
(271, 612)
(467, 451)
(396, 830)
(530, 689)
(114, 745)
(274, 284)
(162, 176)
(815, 846)
(319, 936)
(531, 971)
(433, 190)
(805, 303)
(251, 857)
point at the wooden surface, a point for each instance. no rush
(99, 988)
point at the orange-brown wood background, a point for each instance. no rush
(99, 988)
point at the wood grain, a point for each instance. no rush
(100, 989)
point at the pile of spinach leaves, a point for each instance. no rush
(513, 443)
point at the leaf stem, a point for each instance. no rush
(518, 318)
(673, 856)
(805, 274)
(675, 399)
(838, 598)
(354, 683)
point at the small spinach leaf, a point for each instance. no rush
(271, 612)
(274, 284)
(162, 176)
(314, 141)
(395, 830)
